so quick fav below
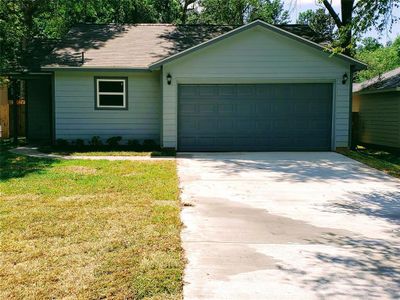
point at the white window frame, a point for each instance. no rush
(98, 93)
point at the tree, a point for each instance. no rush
(238, 12)
(357, 17)
(319, 21)
(17, 29)
(187, 6)
(24, 23)
(379, 59)
(271, 12)
(369, 44)
(168, 10)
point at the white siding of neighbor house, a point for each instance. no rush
(256, 55)
(76, 117)
(379, 119)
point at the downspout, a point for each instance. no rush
(350, 143)
(53, 108)
(14, 97)
(162, 107)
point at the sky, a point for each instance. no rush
(297, 6)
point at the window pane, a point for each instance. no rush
(111, 100)
(111, 86)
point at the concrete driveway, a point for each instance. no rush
(288, 226)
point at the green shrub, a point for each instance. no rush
(134, 144)
(62, 143)
(79, 143)
(114, 141)
(150, 145)
(95, 141)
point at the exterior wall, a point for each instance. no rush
(379, 119)
(356, 103)
(257, 55)
(76, 117)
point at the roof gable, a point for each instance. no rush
(358, 64)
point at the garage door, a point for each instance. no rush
(261, 117)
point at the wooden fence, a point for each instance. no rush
(4, 113)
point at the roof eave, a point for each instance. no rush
(387, 90)
(96, 68)
(358, 65)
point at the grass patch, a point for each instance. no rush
(89, 229)
(105, 151)
(383, 160)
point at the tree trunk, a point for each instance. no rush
(185, 9)
(347, 17)
(28, 22)
(344, 24)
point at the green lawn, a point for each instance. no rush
(89, 229)
(383, 160)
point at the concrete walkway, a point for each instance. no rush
(288, 226)
(33, 152)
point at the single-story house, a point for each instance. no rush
(256, 87)
(377, 103)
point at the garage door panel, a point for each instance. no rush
(206, 108)
(225, 126)
(262, 117)
(227, 90)
(187, 108)
(245, 107)
(208, 90)
(190, 125)
(247, 90)
(226, 109)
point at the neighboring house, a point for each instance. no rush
(202, 88)
(377, 102)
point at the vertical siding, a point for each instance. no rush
(77, 118)
(256, 56)
(380, 119)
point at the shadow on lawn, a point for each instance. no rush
(17, 166)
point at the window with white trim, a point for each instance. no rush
(111, 93)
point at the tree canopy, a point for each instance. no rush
(238, 12)
(25, 22)
(319, 21)
(358, 16)
(379, 58)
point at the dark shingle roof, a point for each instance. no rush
(139, 45)
(388, 80)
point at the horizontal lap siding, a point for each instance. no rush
(256, 56)
(77, 118)
(380, 119)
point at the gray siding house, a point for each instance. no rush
(377, 102)
(257, 87)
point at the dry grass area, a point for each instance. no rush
(75, 229)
